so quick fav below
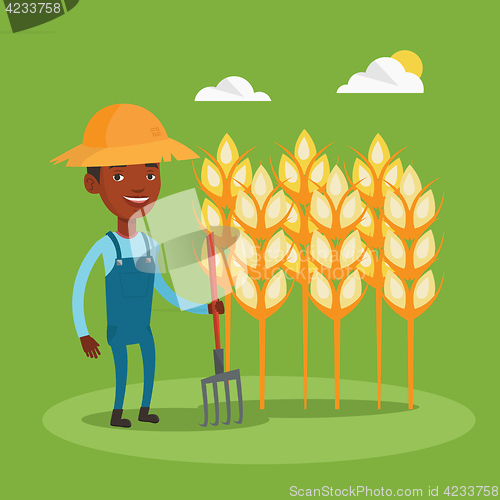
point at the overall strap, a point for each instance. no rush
(146, 242)
(115, 243)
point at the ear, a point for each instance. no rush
(91, 184)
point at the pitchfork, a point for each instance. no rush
(220, 374)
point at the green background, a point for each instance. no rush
(159, 55)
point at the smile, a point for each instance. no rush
(137, 200)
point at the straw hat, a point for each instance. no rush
(124, 134)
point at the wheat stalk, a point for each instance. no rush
(336, 250)
(222, 177)
(375, 176)
(409, 288)
(259, 254)
(301, 174)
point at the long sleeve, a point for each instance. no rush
(170, 296)
(79, 288)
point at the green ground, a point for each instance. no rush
(159, 55)
(288, 433)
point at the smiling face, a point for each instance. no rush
(125, 190)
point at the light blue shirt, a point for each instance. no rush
(133, 247)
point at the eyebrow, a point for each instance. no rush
(149, 165)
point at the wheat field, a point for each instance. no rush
(329, 232)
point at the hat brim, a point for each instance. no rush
(152, 152)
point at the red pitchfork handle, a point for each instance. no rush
(213, 286)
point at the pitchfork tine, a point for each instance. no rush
(240, 400)
(216, 403)
(228, 402)
(205, 402)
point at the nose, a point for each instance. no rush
(138, 190)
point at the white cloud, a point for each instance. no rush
(384, 75)
(232, 88)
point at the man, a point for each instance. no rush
(122, 148)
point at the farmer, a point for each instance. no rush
(122, 148)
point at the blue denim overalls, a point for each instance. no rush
(129, 296)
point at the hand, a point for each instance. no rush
(219, 307)
(90, 346)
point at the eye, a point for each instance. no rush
(150, 177)
(118, 177)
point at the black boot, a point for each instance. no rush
(145, 416)
(118, 421)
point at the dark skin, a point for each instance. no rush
(129, 192)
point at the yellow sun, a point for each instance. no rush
(410, 61)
